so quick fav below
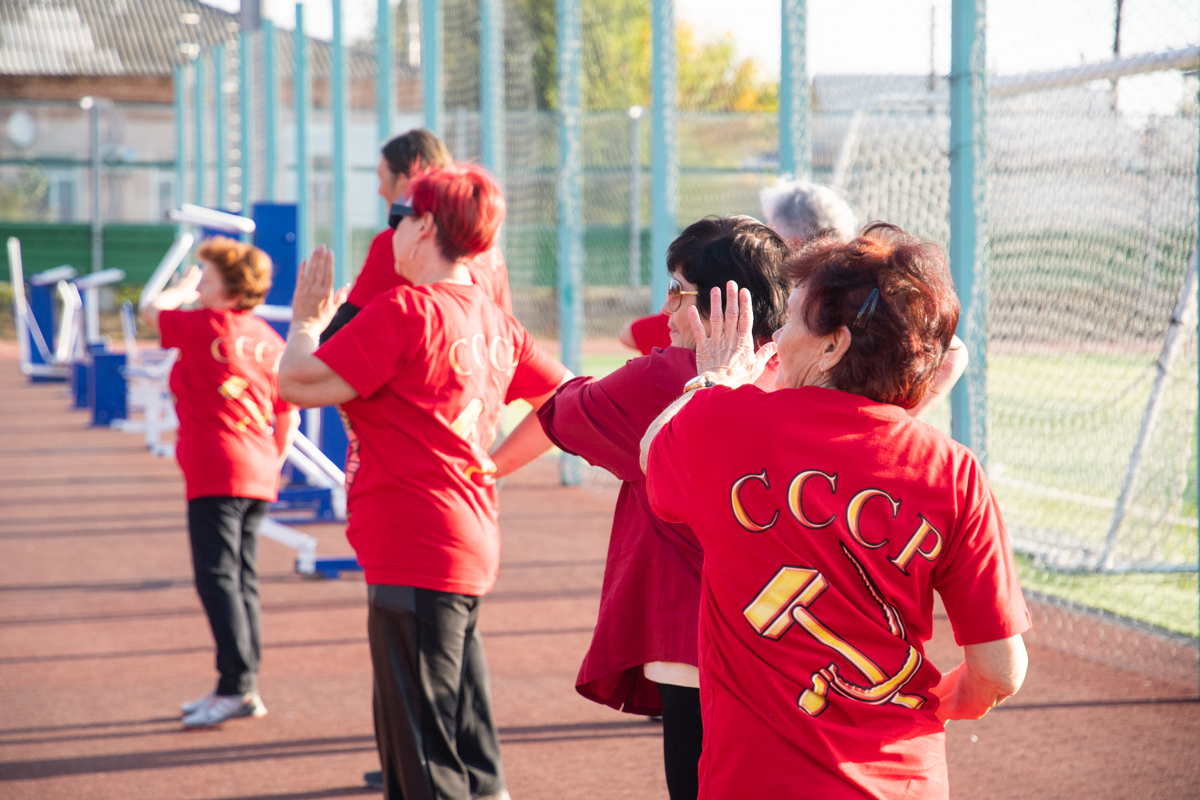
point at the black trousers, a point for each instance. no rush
(683, 739)
(433, 711)
(224, 536)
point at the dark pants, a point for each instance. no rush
(224, 534)
(683, 738)
(433, 712)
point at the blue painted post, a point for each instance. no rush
(245, 89)
(795, 146)
(968, 399)
(219, 120)
(339, 111)
(270, 106)
(432, 64)
(664, 153)
(198, 121)
(180, 106)
(570, 205)
(300, 104)
(491, 84)
(385, 83)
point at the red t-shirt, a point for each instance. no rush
(378, 274)
(226, 388)
(650, 601)
(433, 365)
(651, 332)
(827, 522)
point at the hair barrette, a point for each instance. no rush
(865, 313)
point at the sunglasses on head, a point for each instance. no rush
(675, 294)
(398, 212)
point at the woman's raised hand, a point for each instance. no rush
(728, 355)
(315, 302)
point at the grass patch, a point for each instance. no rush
(1167, 601)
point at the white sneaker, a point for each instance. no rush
(197, 704)
(224, 707)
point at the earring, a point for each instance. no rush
(413, 254)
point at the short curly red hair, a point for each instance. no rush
(897, 357)
(466, 203)
(245, 269)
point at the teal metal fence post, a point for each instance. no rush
(664, 151)
(432, 64)
(968, 242)
(795, 145)
(180, 151)
(198, 122)
(341, 252)
(385, 83)
(245, 148)
(570, 205)
(270, 107)
(491, 84)
(300, 104)
(218, 54)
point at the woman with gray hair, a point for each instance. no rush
(799, 210)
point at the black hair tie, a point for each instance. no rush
(865, 313)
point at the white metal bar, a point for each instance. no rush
(1008, 85)
(166, 268)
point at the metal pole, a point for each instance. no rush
(968, 401)
(92, 322)
(198, 121)
(491, 79)
(385, 83)
(1197, 451)
(341, 252)
(795, 145)
(664, 153)
(179, 75)
(219, 120)
(270, 106)
(245, 88)
(432, 64)
(300, 104)
(570, 204)
(635, 197)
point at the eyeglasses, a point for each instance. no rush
(675, 294)
(399, 211)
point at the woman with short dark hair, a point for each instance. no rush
(828, 517)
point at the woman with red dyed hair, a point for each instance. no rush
(828, 517)
(422, 375)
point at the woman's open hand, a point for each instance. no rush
(315, 302)
(727, 355)
(185, 285)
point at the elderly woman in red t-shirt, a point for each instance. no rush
(234, 431)
(422, 374)
(828, 517)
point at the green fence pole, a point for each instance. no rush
(664, 151)
(570, 205)
(432, 65)
(300, 104)
(270, 93)
(219, 121)
(491, 81)
(385, 83)
(245, 88)
(795, 146)
(198, 122)
(180, 106)
(339, 111)
(968, 399)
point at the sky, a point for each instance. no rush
(880, 36)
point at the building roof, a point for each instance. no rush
(116, 38)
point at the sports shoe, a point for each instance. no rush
(374, 779)
(224, 707)
(195, 705)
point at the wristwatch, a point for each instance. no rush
(698, 382)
